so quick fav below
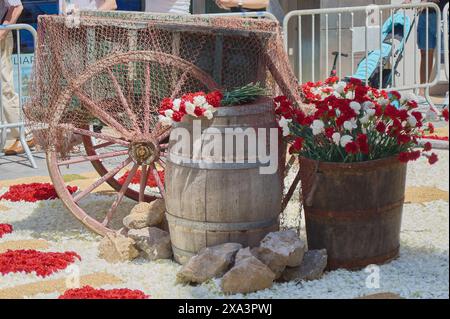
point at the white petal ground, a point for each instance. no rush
(422, 271)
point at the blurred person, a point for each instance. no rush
(10, 11)
(243, 5)
(168, 6)
(432, 34)
(103, 5)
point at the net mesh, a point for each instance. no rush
(114, 69)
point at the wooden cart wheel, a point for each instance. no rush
(131, 139)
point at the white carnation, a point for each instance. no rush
(345, 140)
(318, 127)
(336, 138)
(350, 125)
(165, 121)
(168, 113)
(355, 106)
(208, 114)
(384, 102)
(371, 112)
(176, 104)
(339, 87)
(367, 105)
(199, 100)
(410, 96)
(412, 121)
(284, 124)
(190, 108)
(350, 95)
(365, 119)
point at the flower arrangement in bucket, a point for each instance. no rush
(204, 105)
(353, 143)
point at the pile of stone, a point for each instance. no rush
(145, 234)
(281, 256)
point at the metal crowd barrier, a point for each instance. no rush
(321, 32)
(21, 124)
(257, 14)
(445, 18)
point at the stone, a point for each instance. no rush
(312, 267)
(242, 254)
(280, 250)
(209, 263)
(248, 275)
(153, 242)
(116, 248)
(146, 215)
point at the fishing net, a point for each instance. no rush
(112, 70)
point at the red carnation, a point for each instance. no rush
(177, 116)
(418, 116)
(431, 128)
(166, 104)
(329, 131)
(214, 98)
(445, 114)
(433, 159)
(396, 95)
(403, 157)
(351, 148)
(199, 111)
(427, 147)
(381, 127)
(363, 143)
(355, 82)
(414, 156)
(296, 146)
(403, 139)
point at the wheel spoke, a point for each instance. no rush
(100, 181)
(147, 99)
(124, 101)
(157, 179)
(102, 114)
(120, 196)
(162, 163)
(81, 159)
(101, 136)
(103, 145)
(143, 183)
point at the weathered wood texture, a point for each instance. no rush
(213, 203)
(354, 210)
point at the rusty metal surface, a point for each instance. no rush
(354, 210)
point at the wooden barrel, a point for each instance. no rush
(214, 202)
(354, 210)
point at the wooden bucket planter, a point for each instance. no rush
(354, 210)
(208, 203)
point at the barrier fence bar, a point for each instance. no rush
(410, 12)
(20, 125)
(445, 18)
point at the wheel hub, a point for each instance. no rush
(144, 152)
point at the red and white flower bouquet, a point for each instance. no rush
(351, 122)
